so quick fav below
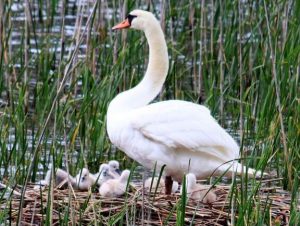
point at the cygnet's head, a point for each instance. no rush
(137, 19)
(190, 181)
(104, 172)
(114, 166)
(83, 179)
(83, 175)
(103, 168)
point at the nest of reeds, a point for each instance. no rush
(136, 207)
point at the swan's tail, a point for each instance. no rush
(237, 169)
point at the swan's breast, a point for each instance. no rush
(145, 151)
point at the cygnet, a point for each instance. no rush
(115, 187)
(155, 183)
(161, 185)
(41, 185)
(104, 174)
(84, 180)
(61, 179)
(198, 192)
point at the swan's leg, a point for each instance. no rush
(168, 185)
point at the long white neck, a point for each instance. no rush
(154, 78)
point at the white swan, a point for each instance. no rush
(179, 134)
(84, 180)
(115, 187)
(160, 186)
(197, 191)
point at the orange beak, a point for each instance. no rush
(124, 24)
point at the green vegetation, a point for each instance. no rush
(58, 74)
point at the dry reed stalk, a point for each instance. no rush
(193, 44)
(89, 49)
(67, 71)
(163, 26)
(1, 27)
(7, 50)
(211, 25)
(26, 50)
(202, 52)
(123, 10)
(241, 77)
(163, 15)
(62, 44)
(221, 62)
(286, 152)
(241, 93)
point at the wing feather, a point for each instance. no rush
(183, 125)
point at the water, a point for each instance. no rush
(45, 36)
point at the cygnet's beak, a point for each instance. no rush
(124, 24)
(118, 171)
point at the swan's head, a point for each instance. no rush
(114, 166)
(137, 19)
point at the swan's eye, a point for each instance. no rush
(130, 18)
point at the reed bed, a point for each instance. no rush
(60, 66)
(136, 208)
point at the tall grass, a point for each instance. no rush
(57, 76)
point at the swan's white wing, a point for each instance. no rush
(184, 125)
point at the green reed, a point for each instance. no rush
(239, 59)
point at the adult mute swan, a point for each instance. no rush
(179, 134)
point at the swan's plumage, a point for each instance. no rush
(158, 184)
(84, 180)
(104, 174)
(61, 179)
(191, 127)
(179, 134)
(115, 187)
(114, 168)
(198, 192)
